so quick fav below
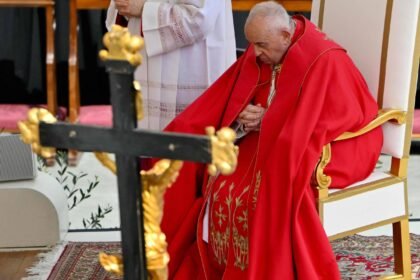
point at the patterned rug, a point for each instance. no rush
(367, 257)
(359, 257)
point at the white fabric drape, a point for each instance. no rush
(188, 45)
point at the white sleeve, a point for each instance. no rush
(111, 15)
(169, 26)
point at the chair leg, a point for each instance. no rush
(50, 161)
(402, 256)
(73, 157)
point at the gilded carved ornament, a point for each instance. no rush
(154, 184)
(111, 263)
(323, 181)
(29, 130)
(122, 45)
(223, 150)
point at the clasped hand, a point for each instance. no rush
(251, 117)
(129, 8)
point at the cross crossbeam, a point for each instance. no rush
(126, 142)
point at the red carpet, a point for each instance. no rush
(359, 257)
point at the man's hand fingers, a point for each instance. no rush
(131, 8)
(250, 117)
(254, 125)
(121, 3)
(249, 114)
(123, 12)
(254, 108)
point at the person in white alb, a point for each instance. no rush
(188, 45)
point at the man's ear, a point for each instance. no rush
(287, 37)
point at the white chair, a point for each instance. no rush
(382, 37)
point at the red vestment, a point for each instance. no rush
(319, 95)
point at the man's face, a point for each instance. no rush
(269, 41)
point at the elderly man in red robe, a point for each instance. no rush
(293, 91)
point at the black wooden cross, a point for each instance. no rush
(127, 143)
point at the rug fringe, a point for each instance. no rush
(46, 261)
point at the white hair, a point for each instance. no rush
(270, 9)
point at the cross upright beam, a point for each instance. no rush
(128, 177)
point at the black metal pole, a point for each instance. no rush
(129, 183)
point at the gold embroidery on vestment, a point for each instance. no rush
(220, 239)
(256, 189)
(234, 213)
(240, 242)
